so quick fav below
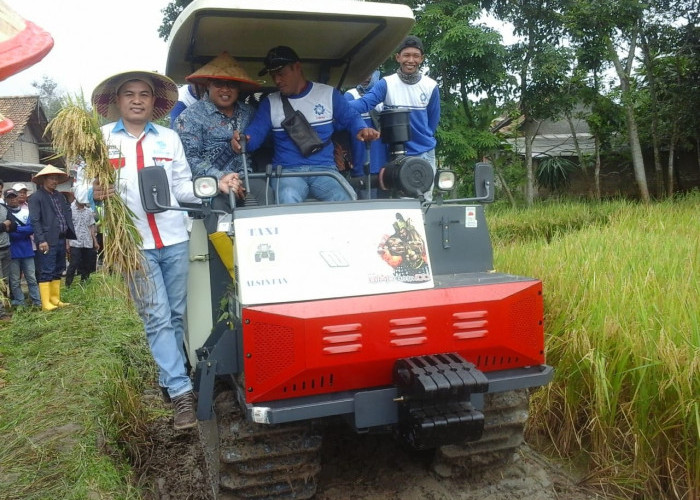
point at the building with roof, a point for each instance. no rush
(24, 150)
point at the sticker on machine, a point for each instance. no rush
(307, 256)
(470, 217)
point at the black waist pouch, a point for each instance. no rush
(300, 130)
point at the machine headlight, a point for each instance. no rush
(446, 180)
(206, 187)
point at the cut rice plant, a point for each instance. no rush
(77, 136)
(623, 333)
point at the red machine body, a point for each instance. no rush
(307, 348)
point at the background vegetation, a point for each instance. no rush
(629, 68)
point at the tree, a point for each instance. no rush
(50, 98)
(468, 62)
(540, 64)
(170, 13)
(601, 28)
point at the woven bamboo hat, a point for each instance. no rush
(50, 170)
(223, 67)
(104, 97)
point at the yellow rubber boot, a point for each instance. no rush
(45, 293)
(56, 294)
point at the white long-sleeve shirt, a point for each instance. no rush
(155, 146)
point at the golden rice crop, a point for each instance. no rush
(77, 136)
(623, 333)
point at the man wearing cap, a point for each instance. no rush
(407, 88)
(324, 108)
(22, 251)
(51, 220)
(22, 193)
(132, 100)
(206, 127)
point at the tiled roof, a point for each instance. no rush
(23, 111)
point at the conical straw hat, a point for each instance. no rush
(223, 67)
(50, 170)
(104, 97)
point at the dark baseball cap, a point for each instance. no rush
(277, 58)
(10, 192)
(410, 41)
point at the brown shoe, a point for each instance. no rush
(184, 406)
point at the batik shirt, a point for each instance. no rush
(206, 135)
(83, 219)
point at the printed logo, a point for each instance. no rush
(264, 251)
(319, 110)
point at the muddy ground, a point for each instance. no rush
(360, 467)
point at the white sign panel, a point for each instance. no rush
(291, 257)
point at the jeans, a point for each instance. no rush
(26, 266)
(430, 157)
(160, 294)
(53, 263)
(297, 189)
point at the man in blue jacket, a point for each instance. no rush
(408, 88)
(22, 252)
(326, 110)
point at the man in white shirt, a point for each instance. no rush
(133, 99)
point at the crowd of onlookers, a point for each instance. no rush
(20, 256)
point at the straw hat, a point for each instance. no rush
(104, 97)
(223, 67)
(50, 170)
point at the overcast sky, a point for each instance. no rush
(93, 39)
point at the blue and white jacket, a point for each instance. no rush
(326, 110)
(422, 98)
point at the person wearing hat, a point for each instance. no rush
(51, 220)
(21, 250)
(22, 193)
(326, 110)
(206, 126)
(408, 88)
(132, 100)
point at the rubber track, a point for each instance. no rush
(263, 461)
(505, 415)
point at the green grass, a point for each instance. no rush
(64, 378)
(622, 302)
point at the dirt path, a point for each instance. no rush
(362, 467)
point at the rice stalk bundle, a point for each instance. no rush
(77, 136)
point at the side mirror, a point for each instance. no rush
(484, 182)
(154, 189)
